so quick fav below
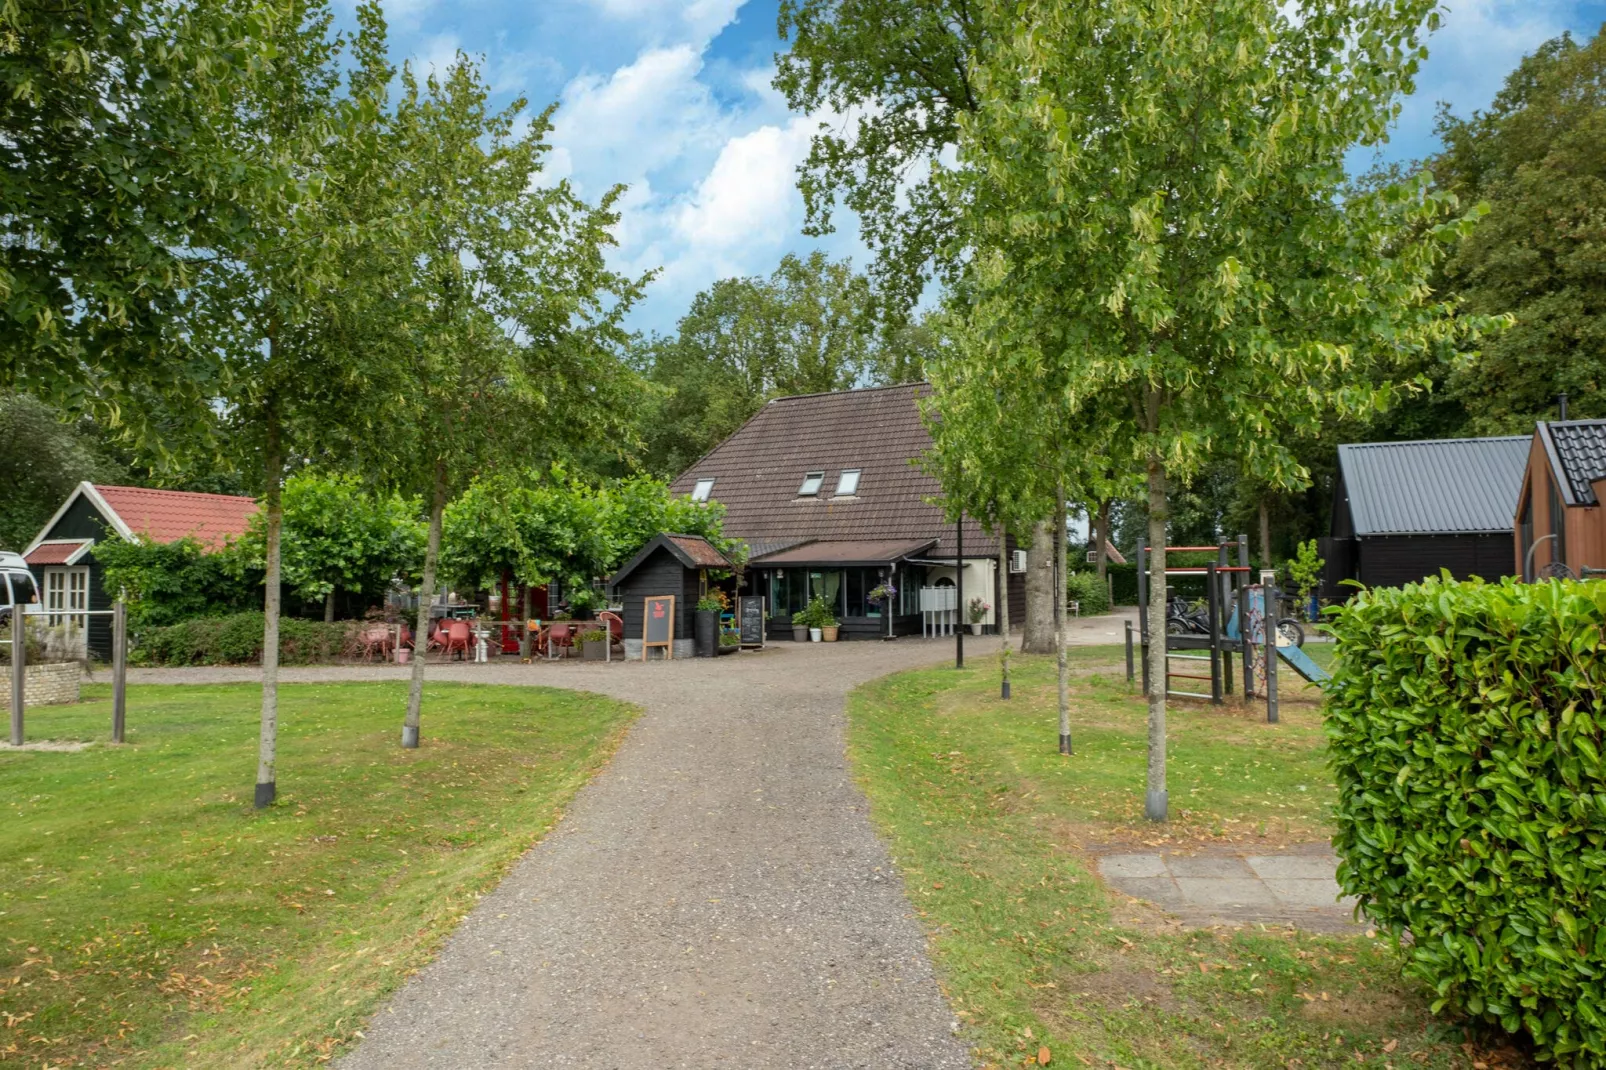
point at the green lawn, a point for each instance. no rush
(148, 916)
(990, 826)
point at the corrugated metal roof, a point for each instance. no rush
(1581, 447)
(1448, 486)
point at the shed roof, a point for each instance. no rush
(1580, 450)
(842, 552)
(692, 551)
(169, 515)
(879, 431)
(59, 552)
(1456, 486)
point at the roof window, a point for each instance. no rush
(847, 484)
(702, 490)
(811, 485)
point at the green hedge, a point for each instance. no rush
(237, 640)
(1465, 722)
(1126, 579)
(1089, 592)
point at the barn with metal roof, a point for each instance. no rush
(1404, 510)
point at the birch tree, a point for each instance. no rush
(1155, 198)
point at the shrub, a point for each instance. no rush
(237, 640)
(171, 582)
(1089, 592)
(1465, 722)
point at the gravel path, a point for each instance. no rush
(715, 897)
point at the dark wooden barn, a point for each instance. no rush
(1404, 510)
(668, 565)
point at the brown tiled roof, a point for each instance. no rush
(701, 552)
(848, 552)
(56, 553)
(757, 472)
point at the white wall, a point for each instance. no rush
(978, 581)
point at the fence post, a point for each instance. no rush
(19, 670)
(119, 669)
(1128, 652)
(1213, 602)
(1273, 610)
(1243, 623)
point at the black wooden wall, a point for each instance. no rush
(83, 521)
(660, 574)
(1392, 560)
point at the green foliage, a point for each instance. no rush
(593, 635)
(1306, 568)
(171, 582)
(338, 535)
(236, 639)
(1125, 582)
(1465, 725)
(1538, 156)
(1091, 593)
(820, 614)
(42, 458)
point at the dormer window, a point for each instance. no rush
(702, 490)
(847, 484)
(811, 485)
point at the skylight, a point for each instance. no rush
(811, 485)
(847, 484)
(702, 490)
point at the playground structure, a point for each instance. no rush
(1242, 617)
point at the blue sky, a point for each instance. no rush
(672, 98)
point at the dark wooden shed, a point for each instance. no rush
(668, 565)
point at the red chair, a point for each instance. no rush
(437, 637)
(559, 637)
(458, 638)
(376, 640)
(616, 627)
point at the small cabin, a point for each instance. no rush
(675, 565)
(1559, 518)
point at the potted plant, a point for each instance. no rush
(978, 613)
(828, 624)
(593, 644)
(705, 620)
(729, 642)
(800, 626)
(883, 595)
(818, 617)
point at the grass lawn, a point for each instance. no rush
(150, 917)
(991, 826)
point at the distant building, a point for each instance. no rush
(825, 491)
(69, 578)
(1404, 510)
(1559, 519)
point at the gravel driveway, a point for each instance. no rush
(715, 897)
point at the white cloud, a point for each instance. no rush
(749, 195)
(437, 56)
(702, 19)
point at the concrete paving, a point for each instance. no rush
(1226, 885)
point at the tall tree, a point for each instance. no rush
(515, 340)
(1154, 198)
(43, 456)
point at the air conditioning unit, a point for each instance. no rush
(1017, 561)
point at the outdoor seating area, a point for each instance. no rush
(473, 640)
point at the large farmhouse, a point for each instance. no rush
(826, 492)
(69, 578)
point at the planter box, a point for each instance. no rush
(594, 651)
(829, 634)
(799, 634)
(44, 685)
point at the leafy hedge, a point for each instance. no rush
(1466, 727)
(237, 640)
(1089, 592)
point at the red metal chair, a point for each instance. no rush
(458, 638)
(376, 640)
(437, 637)
(616, 627)
(560, 637)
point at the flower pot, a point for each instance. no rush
(829, 634)
(403, 655)
(814, 635)
(975, 629)
(706, 630)
(800, 633)
(596, 650)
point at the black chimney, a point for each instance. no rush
(1561, 403)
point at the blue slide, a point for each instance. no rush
(1300, 662)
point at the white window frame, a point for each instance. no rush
(812, 482)
(66, 596)
(702, 489)
(844, 491)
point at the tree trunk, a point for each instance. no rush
(1155, 801)
(1061, 578)
(1102, 536)
(1265, 536)
(524, 625)
(1037, 637)
(267, 788)
(1003, 610)
(329, 607)
(426, 595)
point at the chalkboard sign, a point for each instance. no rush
(658, 625)
(751, 619)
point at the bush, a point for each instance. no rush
(171, 582)
(1465, 722)
(1089, 592)
(1125, 579)
(237, 640)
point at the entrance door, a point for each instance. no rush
(67, 604)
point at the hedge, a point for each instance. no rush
(1465, 722)
(1125, 578)
(1089, 592)
(237, 640)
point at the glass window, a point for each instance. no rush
(811, 485)
(702, 490)
(22, 585)
(1558, 525)
(847, 483)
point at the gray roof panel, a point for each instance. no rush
(1448, 486)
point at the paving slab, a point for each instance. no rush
(1225, 885)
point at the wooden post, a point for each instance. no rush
(19, 670)
(962, 613)
(119, 669)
